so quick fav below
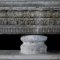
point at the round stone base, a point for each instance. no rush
(33, 49)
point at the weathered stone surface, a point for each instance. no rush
(33, 47)
(29, 0)
(15, 55)
(30, 21)
(26, 17)
(33, 44)
(33, 50)
(33, 38)
(30, 3)
(30, 14)
(29, 29)
(30, 8)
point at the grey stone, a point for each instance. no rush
(33, 44)
(16, 55)
(30, 3)
(30, 21)
(30, 14)
(29, 29)
(33, 38)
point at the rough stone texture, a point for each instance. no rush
(16, 17)
(30, 21)
(33, 38)
(16, 55)
(33, 49)
(29, 29)
(14, 3)
(29, 16)
(33, 44)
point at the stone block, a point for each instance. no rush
(33, 44)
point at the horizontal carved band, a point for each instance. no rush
(30, 21)
(29, 3)
(30, 8)
(29, 0)
(29, 29)
(30, 14)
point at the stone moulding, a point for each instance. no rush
(29, 29)
(30, 14)
(30, 21)
(32, 38)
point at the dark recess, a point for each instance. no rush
(13, 42)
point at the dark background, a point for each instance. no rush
(13, 42)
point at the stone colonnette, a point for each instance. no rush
(33, 44)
